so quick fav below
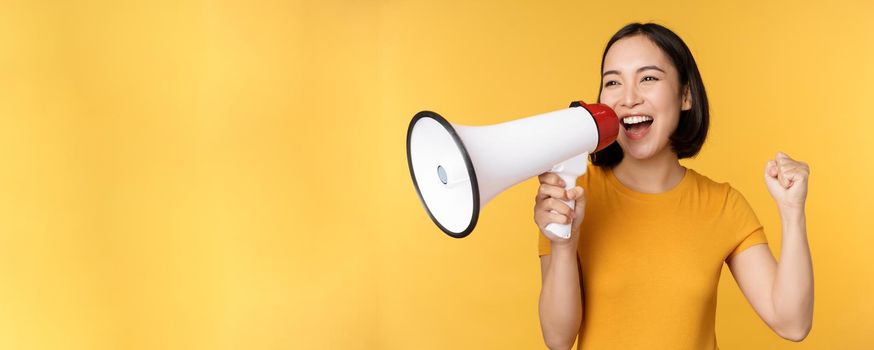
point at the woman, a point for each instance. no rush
(642, 265)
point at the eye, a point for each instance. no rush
(649, 78)
(611, 83)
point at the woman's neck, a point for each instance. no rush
(656, 174)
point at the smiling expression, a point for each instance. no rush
(642, 85)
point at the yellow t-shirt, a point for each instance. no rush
(651, 262)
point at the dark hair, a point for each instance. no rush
(691, 131)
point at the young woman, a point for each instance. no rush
(641, 268)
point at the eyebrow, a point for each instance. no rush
(641, 69)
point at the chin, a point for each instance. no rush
(639, 152)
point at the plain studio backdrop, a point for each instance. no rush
(232, 174)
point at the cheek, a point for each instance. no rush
(608, 98)
(667, 104)
(662, 97)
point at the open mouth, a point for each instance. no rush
(636, 121)
(636, 126)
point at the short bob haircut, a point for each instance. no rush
(692, 127)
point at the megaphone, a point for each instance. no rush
(458, 169)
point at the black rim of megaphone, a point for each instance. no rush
(470, 171)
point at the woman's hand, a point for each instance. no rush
(786, 179)
(549, 208)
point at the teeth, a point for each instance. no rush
(636, 119)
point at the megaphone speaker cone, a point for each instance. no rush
(443, 174)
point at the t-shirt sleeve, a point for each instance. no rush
(757, 237)
(543, 246)
(748, 231)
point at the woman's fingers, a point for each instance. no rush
(771, 169)
(551, 179)
(579, 205)
(552, 211)
(552, 204)
(546, 191)
(577, 194)
(574, 193)
(795, 175)
(787, 170)
(557, 218)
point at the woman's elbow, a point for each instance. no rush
(795, 334)
(558, 343)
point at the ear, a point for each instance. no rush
(687, 99)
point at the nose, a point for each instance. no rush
(630, 97)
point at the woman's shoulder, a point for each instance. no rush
(595, 171)
(594, 175)
(715, 190)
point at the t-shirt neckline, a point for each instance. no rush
(675, 191)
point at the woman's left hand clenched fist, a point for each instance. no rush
(786, 179)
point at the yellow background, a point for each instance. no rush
(232, 174)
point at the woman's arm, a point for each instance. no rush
(782, 293)
(560, 300)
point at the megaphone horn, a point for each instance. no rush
(457, 169)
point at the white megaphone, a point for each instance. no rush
(457, 169)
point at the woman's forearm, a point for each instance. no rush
(793, 286)
(560, 302)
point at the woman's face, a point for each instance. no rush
(642, 85)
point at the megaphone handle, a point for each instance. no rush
(568, 171)
(564, 230)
